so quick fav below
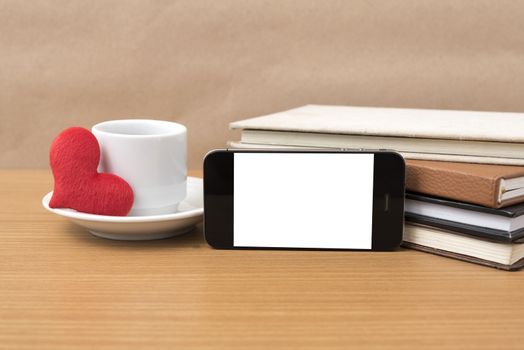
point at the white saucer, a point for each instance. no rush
(136, 228)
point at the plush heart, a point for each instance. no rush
(74, 158)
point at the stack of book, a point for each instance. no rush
(464, 170)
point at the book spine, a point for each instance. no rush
(454, 185)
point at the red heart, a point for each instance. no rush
(74, 158)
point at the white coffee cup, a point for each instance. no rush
(151, 155)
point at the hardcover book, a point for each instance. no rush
(492, 186)
(503, 225)
(506, 256)
(415, 133)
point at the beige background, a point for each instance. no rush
(206, 63)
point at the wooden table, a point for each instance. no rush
(62, 288)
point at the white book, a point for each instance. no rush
(482, 137)
(407, 155)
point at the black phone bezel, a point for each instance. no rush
(388, 179)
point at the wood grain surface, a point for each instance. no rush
(61, 288)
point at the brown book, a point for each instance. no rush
(489, 185)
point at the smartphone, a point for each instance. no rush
(304, 199)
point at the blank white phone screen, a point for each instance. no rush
(303, 200)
